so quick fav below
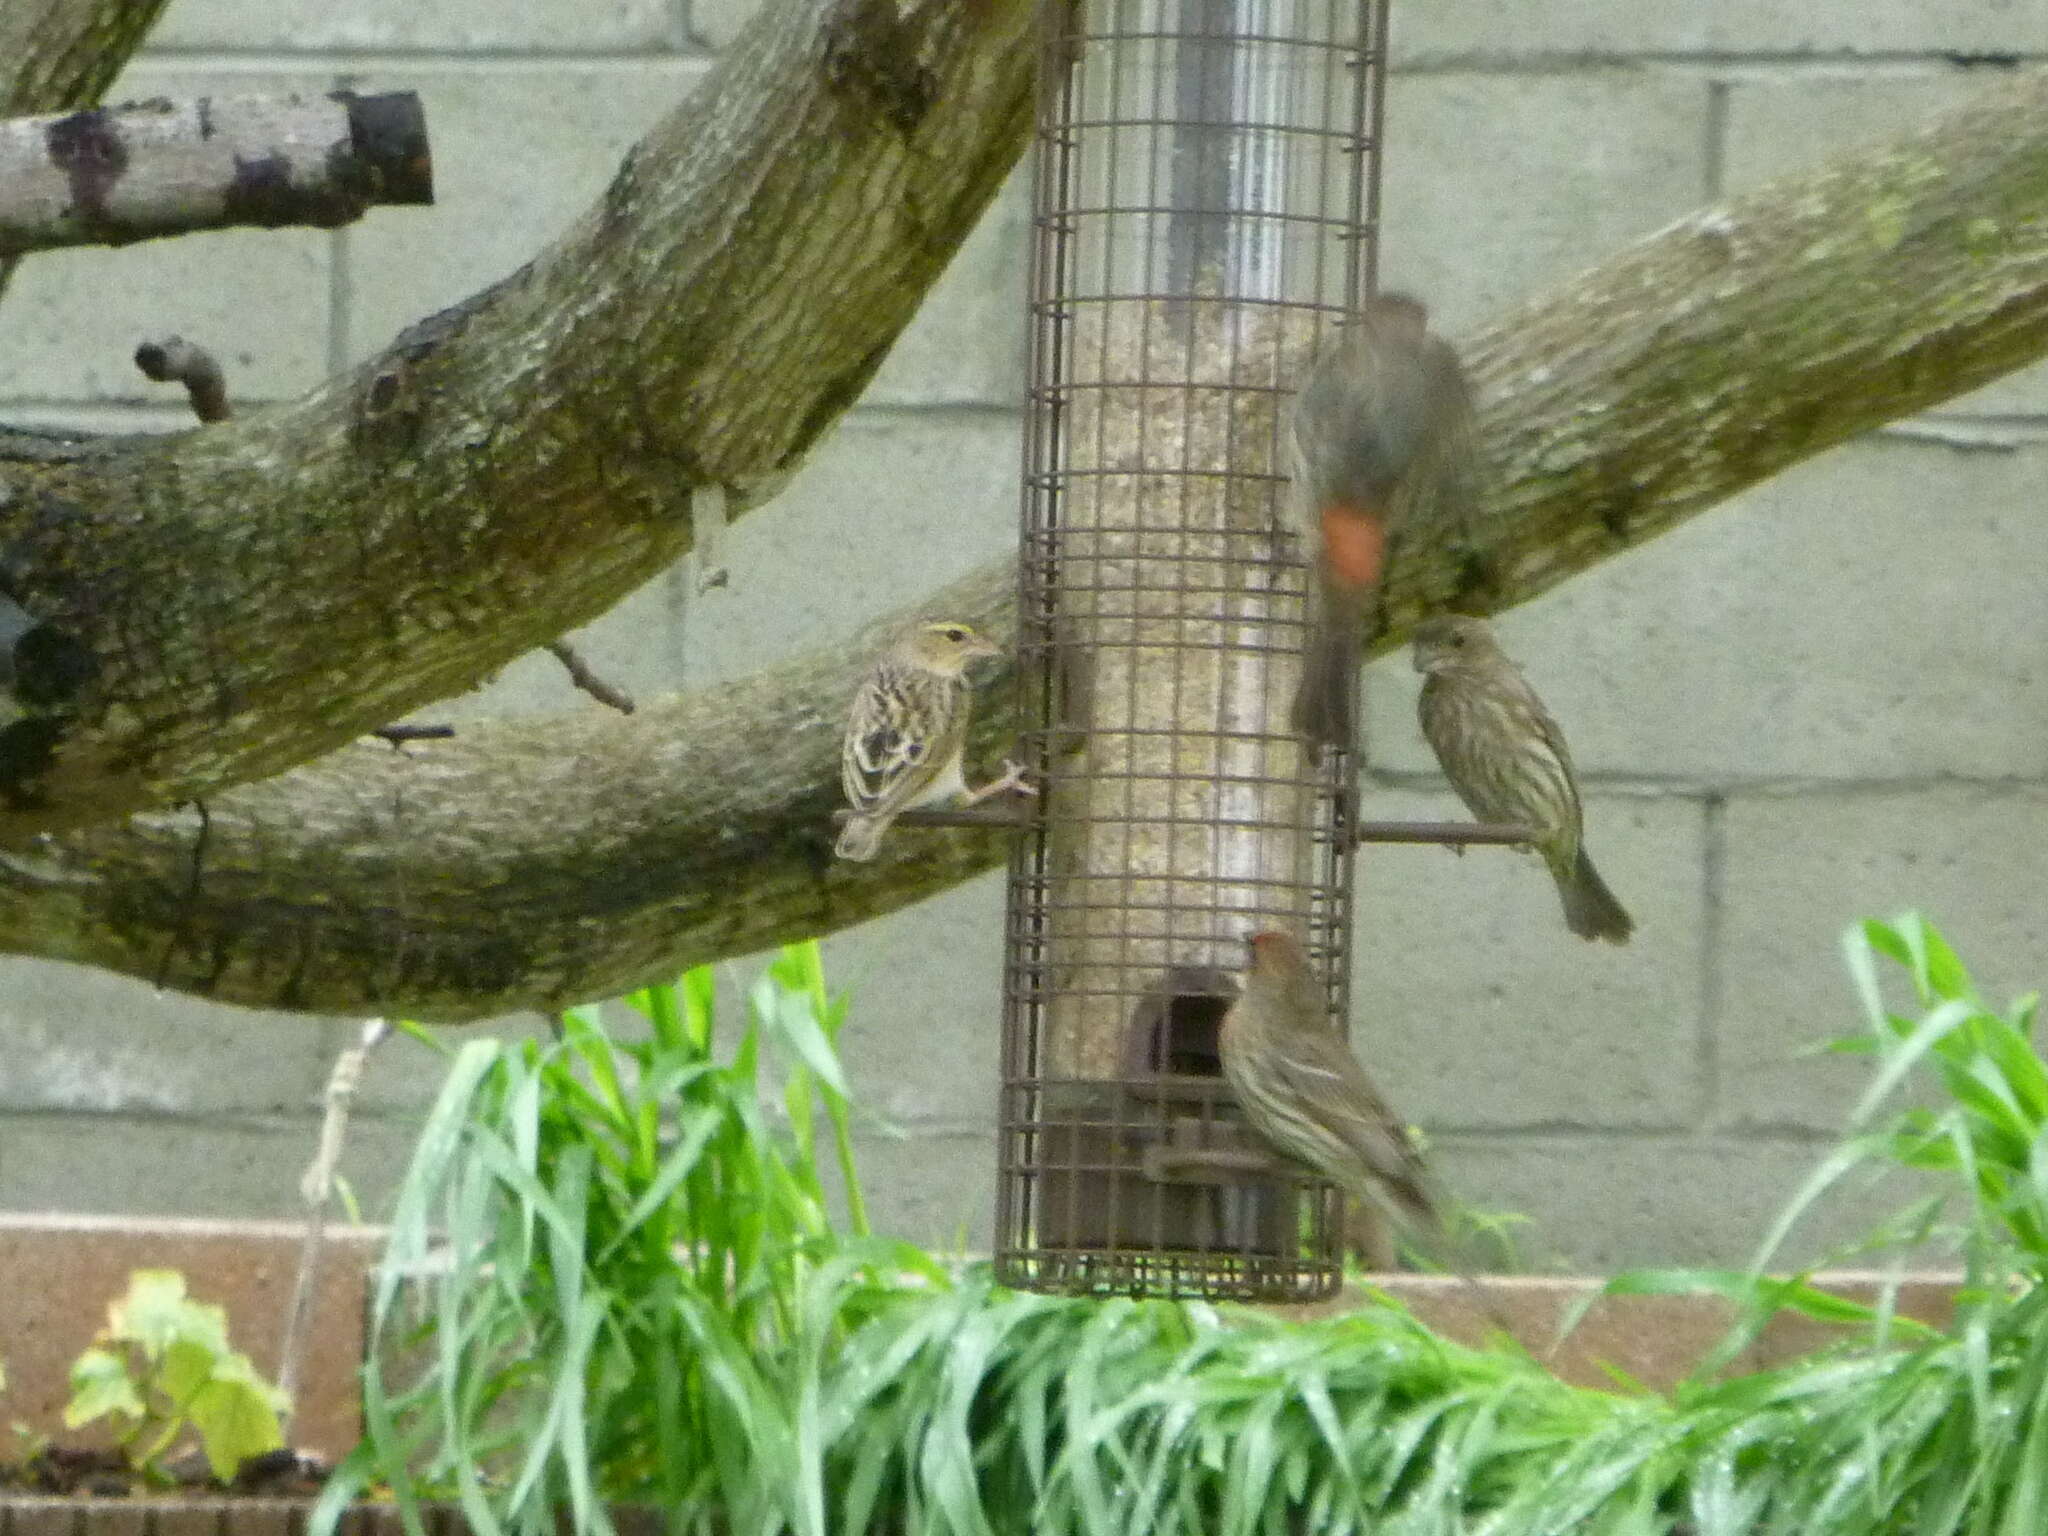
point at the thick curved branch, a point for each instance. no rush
(590, 849)
(253, 594)
(538, 862)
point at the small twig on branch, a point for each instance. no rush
(399, 735)
(581, 675)
(314, 1189)
(174, 360)
(112, 175)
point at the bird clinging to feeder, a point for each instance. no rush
(1383, 440)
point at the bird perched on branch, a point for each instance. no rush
(906, 731)
(1304, 1092)
(1506, 758)
(1383, 441)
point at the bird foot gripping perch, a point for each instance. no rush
(1014, 780)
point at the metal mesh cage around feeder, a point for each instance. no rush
(1206, 190)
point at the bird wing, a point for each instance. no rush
(1548, 729)
(1321, 1069)
(907, 727)
(1441, 484)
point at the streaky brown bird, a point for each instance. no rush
(906, 731)
(1507, 759)
(1304, 1092)
(1307, 1097)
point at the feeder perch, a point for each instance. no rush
(1206, 197)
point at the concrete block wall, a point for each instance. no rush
(1822, 701)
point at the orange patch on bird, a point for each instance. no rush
(1354, 545)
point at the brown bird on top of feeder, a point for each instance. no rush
(907, 730)
(1506, 758)
(1383, 439)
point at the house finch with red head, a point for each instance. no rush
(1507, 760)
(1303, 1091)
(1382, 439)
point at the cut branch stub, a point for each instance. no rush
(113, 175)
(174, 360)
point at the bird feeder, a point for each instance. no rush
(1206, 198)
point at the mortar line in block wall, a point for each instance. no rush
(260, 1122)
(1713, 930)
(1637, 784)
(1714, 151)
(682, 46)
(340, 292)
(340, 273)
(937, 410)
(1733, 1137)
(1763, 64)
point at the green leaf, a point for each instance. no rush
(237, 1367)
(186, 1367)
(236, 1418)
(99, 1386)
(1929, 1033)
(156, 1311)
(801, 1028)
(699, 997)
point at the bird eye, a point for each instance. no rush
(956, 634)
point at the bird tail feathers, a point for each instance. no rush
(1590, 909)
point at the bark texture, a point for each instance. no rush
(59, 54)
(113, 175)
(236, 600)
(56, 54)
(1750, 335)
(554, 859)
(523, 864)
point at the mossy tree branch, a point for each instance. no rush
(229, 602)
(537, 862)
